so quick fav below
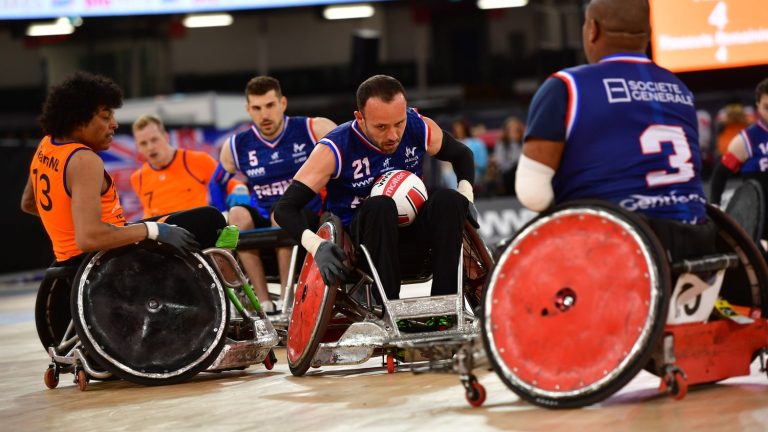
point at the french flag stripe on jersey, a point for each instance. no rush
(309, 131)
(336, 154)
(233, 149)
(626, 58)
(271, 144)
(427, 133)
(573, 100)
(364, 139)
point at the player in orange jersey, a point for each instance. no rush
(171, 179)
(73, 194)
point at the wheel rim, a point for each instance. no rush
(542, 296)
(309, 304)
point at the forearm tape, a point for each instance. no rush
(460, 157)
(288, 209)
(717, 185)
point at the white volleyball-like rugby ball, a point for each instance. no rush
(406, 189)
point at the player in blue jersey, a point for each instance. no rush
(385, 135)
(620, 129)
(268, 154)
(747, 153)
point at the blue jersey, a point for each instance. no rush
(756, 141)
(359, 162)
(271, 165)
(630, 134)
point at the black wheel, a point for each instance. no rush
(747, 208)
(313, 304)
(747, 284)
(149, 316)
(576, 304)
(52, 311)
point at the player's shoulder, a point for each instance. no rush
(196, 154)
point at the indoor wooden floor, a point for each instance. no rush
(349, 398)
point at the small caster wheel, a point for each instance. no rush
(51, 377)
(674, 383)
(475, 394)
(81, 379)
(390, 363)
(270, 360)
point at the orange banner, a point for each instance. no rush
(691, 35)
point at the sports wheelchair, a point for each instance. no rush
(582, 299)
(343, 324)
(266, 240)
(147, 315)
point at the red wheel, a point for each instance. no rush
(312, 305)
(475, 394)
(390, 364)
(268, 363)
(587, 286)
(51, 378)
(82, 380)
(675, 384)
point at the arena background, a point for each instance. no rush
(455, 60)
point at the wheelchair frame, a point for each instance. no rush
(681, 354)
(252, 335)
(343, 326)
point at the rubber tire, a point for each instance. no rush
(115, 369)
(631, 369)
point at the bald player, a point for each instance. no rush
(621, 129)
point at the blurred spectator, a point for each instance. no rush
(705, 142)
(461, 131)
(731, 119)
(507, 151)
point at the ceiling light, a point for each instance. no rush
(61, 26)
(498, 4)
(208, 20)
(348, 11)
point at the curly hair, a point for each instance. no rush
(75, 101)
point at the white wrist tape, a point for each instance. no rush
(152, 230)
(311, 241)
(533, 184)
(465, 188)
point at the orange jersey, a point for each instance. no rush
(54, 200)
(180, 185)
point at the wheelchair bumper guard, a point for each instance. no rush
(237, 354)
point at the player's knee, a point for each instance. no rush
(241, 217)
(380, 203)
(448, 200)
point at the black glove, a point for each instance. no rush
(472, 215)
(176, 237)
(330, 260)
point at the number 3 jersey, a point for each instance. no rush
(53, 196)
(630, 134)
(271, 165)
(359, 162)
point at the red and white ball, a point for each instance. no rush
(406, 189)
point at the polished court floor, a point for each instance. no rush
(350, 398)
